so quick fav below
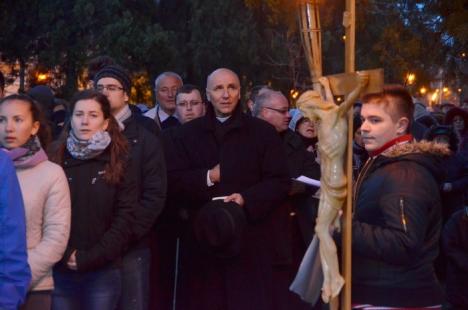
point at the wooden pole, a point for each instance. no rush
(309, 19)
(349, 23)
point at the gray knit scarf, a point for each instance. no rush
(87, 149)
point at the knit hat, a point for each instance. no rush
(296, 116)
(116, 72)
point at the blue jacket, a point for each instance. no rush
(15, 274)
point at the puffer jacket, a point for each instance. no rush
(396, 227)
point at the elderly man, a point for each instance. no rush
(294, 230)
(165, 88)
(232, 157)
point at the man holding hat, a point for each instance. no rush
(147, 160)
(237, 161)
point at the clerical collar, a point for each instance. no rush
(223, 119)
(398, 140)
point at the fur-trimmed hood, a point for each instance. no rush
(425, 153)
(420, 147)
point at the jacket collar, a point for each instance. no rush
(391, 143)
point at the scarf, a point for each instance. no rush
(87, 149)
(122, 116)
(28, 155)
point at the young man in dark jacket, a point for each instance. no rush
(149, 164)
(397, 218)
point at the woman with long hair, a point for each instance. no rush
(23, 136)
(94, 155)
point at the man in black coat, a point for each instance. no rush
(172, 224)
(149, 164)
(240, 159)
(295, 226)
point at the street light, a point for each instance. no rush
(410, 78)
(41, 77)
(423, 90)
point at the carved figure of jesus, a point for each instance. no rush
(332, 140)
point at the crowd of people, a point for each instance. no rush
(194, 204)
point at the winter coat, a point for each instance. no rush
(144, 121)
(301, 162)
(252, 163)
(148, 162)
(456, 169)
(396, 227)
(455, 244)
(47, 205)
(102, 213)
(293, 222)
(15, 274)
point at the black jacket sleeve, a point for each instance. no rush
(153, 186)
(270, 192)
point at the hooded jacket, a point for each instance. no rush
(396, 227)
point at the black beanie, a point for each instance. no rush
(116, 72)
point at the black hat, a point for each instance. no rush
(219, 227)
(116, 72)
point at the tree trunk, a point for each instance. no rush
(22, 75)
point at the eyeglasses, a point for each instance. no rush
(280, 111)
(111, 88)
(186, 104)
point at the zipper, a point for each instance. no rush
(361, 178)
(402, 214)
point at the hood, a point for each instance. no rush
(296, 116)
(425, 153)
(421, 147)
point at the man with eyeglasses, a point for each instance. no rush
(232, 157)
(172, 222)
(189, 103)
(165, 88)
(147, 161)
(294, 229)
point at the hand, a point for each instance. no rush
(215, 174)
(237, 198)
(296, 188)
(447, 187)
(324, 81)
(71, 264)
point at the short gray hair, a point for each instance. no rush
(260, 100)
(164, 75)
